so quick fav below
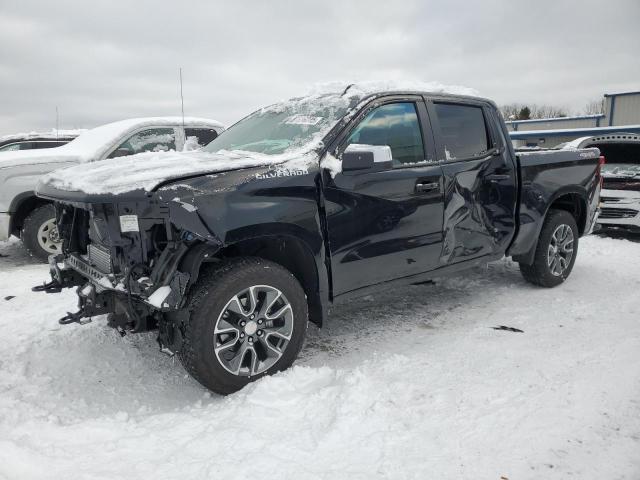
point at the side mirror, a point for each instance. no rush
(366, 157)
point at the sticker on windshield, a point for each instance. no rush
(302, 120)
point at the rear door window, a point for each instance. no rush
(27, 145)
(199, 137)
(47, 144)
(463, 130)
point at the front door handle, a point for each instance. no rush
(427, 187)
(498, 176)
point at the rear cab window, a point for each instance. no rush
(463, 130)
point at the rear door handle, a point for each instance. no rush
(427, 187)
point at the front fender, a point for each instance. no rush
(235, 207)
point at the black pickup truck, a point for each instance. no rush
(228, 252)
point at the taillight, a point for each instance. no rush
(601, 162)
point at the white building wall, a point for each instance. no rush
(558, 124)
(626, 109)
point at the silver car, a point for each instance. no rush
(33, 220)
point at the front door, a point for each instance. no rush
(386, 224)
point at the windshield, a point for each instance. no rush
(299, 124)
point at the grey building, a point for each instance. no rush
(621, 114)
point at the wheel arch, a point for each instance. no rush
(289, 251)
(21, 206)
(572, 201)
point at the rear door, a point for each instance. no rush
(480, 180)
(386, 224)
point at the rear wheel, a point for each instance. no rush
(40, 233)
(248, 318)
(556, 251)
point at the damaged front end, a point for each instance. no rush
(132, 260)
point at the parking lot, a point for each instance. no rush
(416, 380)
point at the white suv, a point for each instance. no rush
(32, 219)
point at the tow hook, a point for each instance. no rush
(48, 287)
(77, 317)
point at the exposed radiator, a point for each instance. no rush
(100, 258)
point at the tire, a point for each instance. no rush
(551, 265)
(39, 233)
(226, 362)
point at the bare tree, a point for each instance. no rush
(511, 111)
(547, 111)
(594, 107)
(517, 111)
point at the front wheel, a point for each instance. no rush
(556, 251)
(40, 233)
(248, 318)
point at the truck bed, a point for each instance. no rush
(547, 175)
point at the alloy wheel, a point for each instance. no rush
(560, 250)
(253, 330)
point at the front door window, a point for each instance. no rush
(395, 125)
(150, 140)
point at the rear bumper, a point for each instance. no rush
(5, 222)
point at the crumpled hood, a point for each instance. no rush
(145, 171)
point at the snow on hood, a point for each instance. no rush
(94, 143)
(145, 171)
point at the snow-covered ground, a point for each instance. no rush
(411, 384)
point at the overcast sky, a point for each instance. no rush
(101, 61)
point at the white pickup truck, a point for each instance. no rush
(33, 220)
(620, 195)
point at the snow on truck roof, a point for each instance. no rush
(348, 95)
(366, 88)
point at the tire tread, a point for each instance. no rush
(218, 276)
